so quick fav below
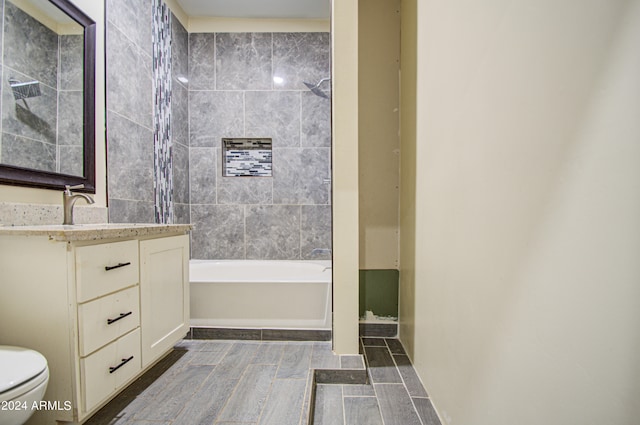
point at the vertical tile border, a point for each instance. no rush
(163, 182)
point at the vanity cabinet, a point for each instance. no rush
(102, 310)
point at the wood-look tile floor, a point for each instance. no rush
(394, 395)
(217, 382)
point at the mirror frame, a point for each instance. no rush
(20, 176)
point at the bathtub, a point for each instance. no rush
(261, 294)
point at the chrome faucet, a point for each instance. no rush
(69, 199)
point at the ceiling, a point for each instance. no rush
(264, 9)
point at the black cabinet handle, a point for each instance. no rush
(124, 362)
(117, 266)
(122, 316)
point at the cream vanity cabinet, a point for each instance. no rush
(102, 303)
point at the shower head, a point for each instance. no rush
(24, 90)
(315, 88)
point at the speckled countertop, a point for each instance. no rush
(92, 232)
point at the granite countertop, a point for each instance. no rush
(91, 232)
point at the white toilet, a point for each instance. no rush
(24, 376)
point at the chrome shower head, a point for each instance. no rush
(315, 88)
(24, 90)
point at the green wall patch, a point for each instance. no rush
(379, 292)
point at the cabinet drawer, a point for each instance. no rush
(108, 369)
(105, 319)
(105, 268)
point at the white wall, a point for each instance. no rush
(527, 211)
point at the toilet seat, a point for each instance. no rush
(21, 370)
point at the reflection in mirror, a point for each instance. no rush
(41, 89)
(46, 119)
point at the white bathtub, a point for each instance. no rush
(261, 294)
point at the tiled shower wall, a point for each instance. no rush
(251, 85)
(130, 109)
(43, 132)
(239, 85)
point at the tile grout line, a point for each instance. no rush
(404, 383)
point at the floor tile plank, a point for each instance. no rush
(328, 408)
(410, 377)
(284, 406)
(248, 399)
(395, 405)
(382, 369)
(426, 411)
(362, 410)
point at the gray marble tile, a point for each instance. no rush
(248, 399)
(426, 411)
(243, 61)
(179, 52)
(179, 114)
(202, 61)
(355, 361)
(315, 231)
(275, 115)
(323, 357)
(205, 410)
(385, 330)
(298, 175)
(226, 333)
(23, 152)
(203, 175)
(285, 402)
(340, 376)
(234, 363)
(382, 369)
(358, 390)
(395, 405)
(180, 169)
(34, 118)
(245, 190)
(70, 160)
(29, 47)
(328, 406)
(181, 213)
(70, 118)
(295, 361)
(362, 410)
(210, 357)
(127, 211)
(129, 79)
(409, 376)
(374, 342)
(395, 346)
(71, 62)
(130, 160)
(133, 18)
(296, 335)
(315, 120)
(214, 115)
(299, 57)
(272, 232)
(171, 401)
(219, 232)
(269, 353)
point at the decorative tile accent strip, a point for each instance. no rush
(163, 183)
(247, 157)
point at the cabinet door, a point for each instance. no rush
(164, 294)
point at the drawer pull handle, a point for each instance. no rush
(124, 362)
(122, 316)
(117, 266)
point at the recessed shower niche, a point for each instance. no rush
(246, 157)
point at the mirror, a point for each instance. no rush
(47, 87)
